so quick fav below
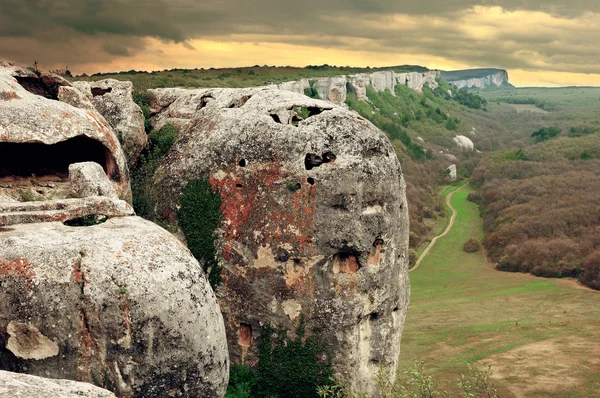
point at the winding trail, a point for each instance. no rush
(450, 224)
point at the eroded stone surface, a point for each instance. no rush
(33, 115)
(88, 179)
(315, 219)
(16, 385)
(14, 212)
(27, 342)
(124, 302)
(114, 100)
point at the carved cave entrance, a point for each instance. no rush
(35, 159)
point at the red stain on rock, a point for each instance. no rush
(17, 268)
(265, 198)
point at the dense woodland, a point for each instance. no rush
(541, 209)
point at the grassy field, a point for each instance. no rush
(527, 108)
(540, 336)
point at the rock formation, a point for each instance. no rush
(114, 100)
(464, 144)
(452, 172)
(41, 135)
(121, 304)
(477, 78)
(334, 89)
(15, 385)
(315, 219)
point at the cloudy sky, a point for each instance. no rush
(540, 42)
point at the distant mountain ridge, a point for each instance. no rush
(477, 78)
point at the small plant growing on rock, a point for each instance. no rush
(472, 246)
(199, 217)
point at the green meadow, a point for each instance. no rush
(540, 336)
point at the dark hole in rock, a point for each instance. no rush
(312, 160)
(395, 309)
(275, 118)
(240, 101)
(375, 361)
(245, 335)
(378, 242)
(346, 260)
(204, 101)
(37, 86)
(27, 159)
(98, 92)
(239, 186)
(282, 256)
(329, 157)
(297, 261)
(310, 180)
(373, 316)
(86, 221)
(313, 110)
(242, 162)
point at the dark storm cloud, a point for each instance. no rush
(100, 30)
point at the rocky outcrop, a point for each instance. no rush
(477, 78)
(315, 219)
(122, 304)
(89, 179)
(464, 144)
(114, 100)
(332, 89)
(16, 385)
(62, 210)
(41, 135)
(451, 170)
(335, 89)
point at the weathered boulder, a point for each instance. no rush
(122, 304)
(452, 172)
(17, 385)
(114, 100)
(315, 220)
(41, 135)
(89, 179)
(463, 143)
(295, 86)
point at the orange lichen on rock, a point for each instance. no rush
(18, 268)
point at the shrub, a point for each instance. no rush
(471, 246)
(474, 197)
(591, 271)
(291, 367)
(545, 133)
(163, 139)
(242, 380)
(199, 216)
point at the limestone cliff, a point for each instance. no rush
(334, 89)
(477, 78)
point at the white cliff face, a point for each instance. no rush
(496, 79)
(452, 172)
(335, 89)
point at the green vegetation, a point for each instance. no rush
(462, 311)
(142, 172)
(143, 99)
(287, 367)
(545, 134)
(199, 217)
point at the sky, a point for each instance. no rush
(539, 42)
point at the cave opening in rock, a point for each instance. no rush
(99, 91)
(37, 86)
(36, 159)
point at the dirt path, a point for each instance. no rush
(450, 224)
